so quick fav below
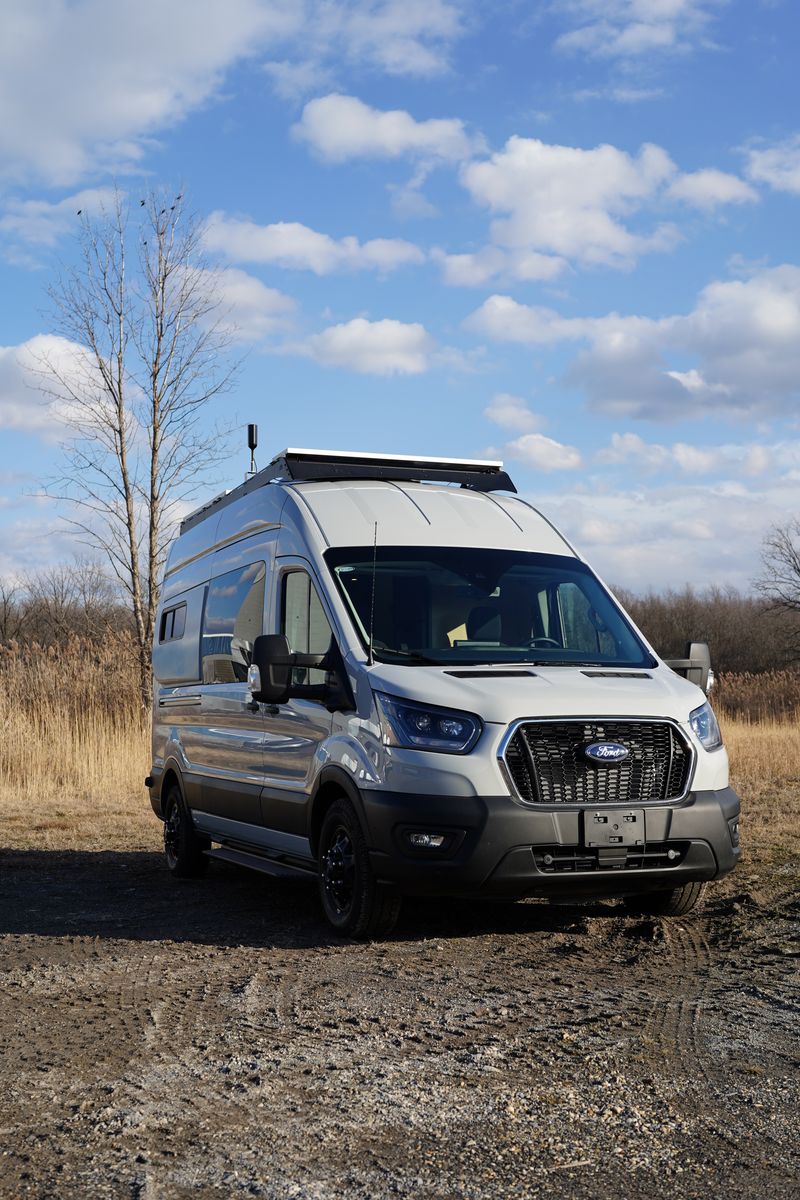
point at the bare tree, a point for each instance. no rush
(12, 615)
(75, 599)
(779, 582)
(147, 356)
(780, 559)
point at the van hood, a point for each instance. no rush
(503, 694)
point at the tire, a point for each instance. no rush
(672, 903)
(183, 848)
(352, 900)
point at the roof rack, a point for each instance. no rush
(300, 466)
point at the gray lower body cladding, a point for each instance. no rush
(494, 848)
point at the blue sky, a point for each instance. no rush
(562, 233)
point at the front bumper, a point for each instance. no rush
(494, 847)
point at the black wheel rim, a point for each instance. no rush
(339, 871)
(172, 833)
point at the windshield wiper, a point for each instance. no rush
(411, 656)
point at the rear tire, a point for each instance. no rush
(184, 849)
(355, 904)
(672, 903)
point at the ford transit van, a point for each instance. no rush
(397, 677)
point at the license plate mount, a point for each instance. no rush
(615, 828)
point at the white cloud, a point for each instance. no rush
(512, 412)
(86, 84)
(493, 265)
(681, 530)
(710, 188)
(31, 400)
(544, 453)
(398, 37)
(748, 459)
(620, 93)
(42, 222)
(777, 165)
(629, 29)
(506, 320)
(743, 333)
(248, 310)
(570, 202)
(32, 543)
(83, 84)
(295, 246)
(385, 347)
(342, 128)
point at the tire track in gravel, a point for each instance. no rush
(673, 1025)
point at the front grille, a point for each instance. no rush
(548, 766)
(574, 860)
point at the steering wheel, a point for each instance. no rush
(544, 641)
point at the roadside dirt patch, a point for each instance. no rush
(166, 1039)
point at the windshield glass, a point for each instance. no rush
(449, 605)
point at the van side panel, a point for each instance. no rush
(178, 660)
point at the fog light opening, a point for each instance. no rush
(426, 841)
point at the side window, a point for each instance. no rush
(173, 623)
(583, 627)
(304, 623)
(233, 619)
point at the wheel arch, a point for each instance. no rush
(172, 775)
(332, 784)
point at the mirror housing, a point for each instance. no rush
(270, 675)
(696, 667)
(273, 660)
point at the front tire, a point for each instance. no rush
(355, 904)
(184, 849)
(672, 903)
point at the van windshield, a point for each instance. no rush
(445, 605)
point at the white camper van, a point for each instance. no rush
(395, 676)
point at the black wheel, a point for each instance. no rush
(182, 846)
(354, 903)
(672, 903)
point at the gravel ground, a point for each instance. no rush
(169, 1039)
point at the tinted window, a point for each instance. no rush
(173, 624)
(233, 619)
(471, 605)
(304, 623)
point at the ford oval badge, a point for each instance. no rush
(606, 752)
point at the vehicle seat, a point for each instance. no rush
(484, 624)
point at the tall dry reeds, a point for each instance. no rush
(768, 696)
(74, 740)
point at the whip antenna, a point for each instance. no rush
(370, 658)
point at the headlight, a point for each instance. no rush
(419, 727)
(705, 726)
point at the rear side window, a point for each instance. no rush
(233, 619)
(173, 623)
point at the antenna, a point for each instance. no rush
(370, 658)
(252, 442)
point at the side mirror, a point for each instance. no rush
(696, 667)
(273, 661)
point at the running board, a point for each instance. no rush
(259, 862)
